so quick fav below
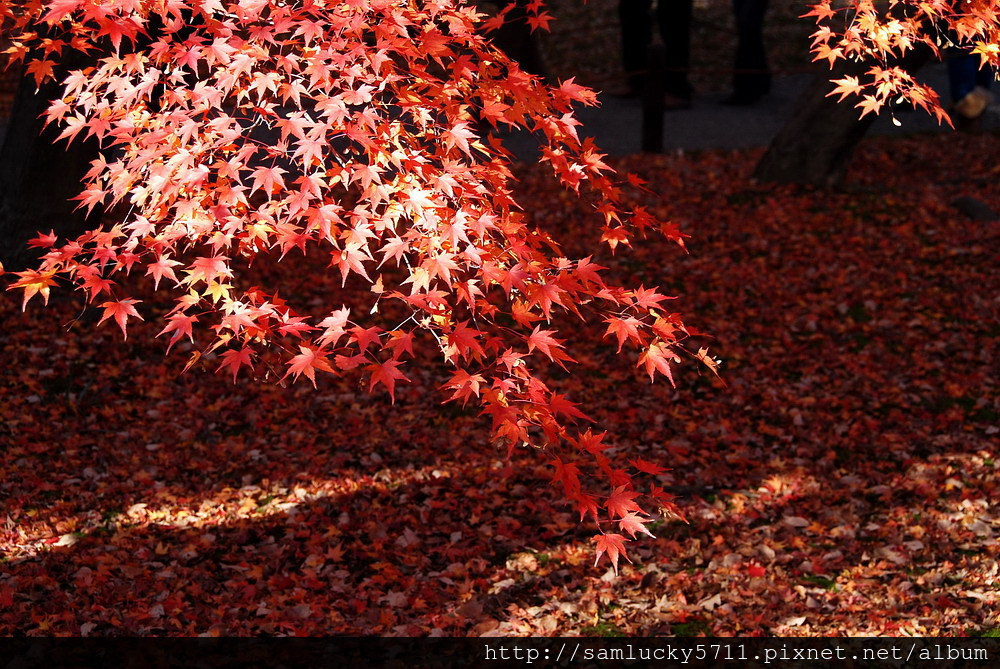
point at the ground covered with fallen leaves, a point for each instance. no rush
(843, 480)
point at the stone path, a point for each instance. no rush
(709, 124)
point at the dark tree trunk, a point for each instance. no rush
(38, 177)
(516, 39)
(816, 143)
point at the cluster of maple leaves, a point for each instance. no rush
(363, 131)
(881, 34)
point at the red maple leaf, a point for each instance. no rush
(234, 359)
(180, 325)
(648, 467)
(387, 374)
(614, 546)
(621, 503)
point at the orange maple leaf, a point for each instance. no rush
(846, 86)
(307, 362)
(623, 328)
(34, 283)
(657, 358)
(120, 311)
(632, 523)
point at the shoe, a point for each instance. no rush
(974, 103)
(967, 113)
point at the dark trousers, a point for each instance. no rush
(674, 20)
(964, 74)
(751, 78)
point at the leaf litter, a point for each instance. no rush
(840, 478)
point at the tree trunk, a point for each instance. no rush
(815, 145)
(516, 39)
(38, 177)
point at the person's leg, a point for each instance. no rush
(985, 76)
(969, 88)
(674, 17)
(751, 80)
(636, 34)
(963, 69)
